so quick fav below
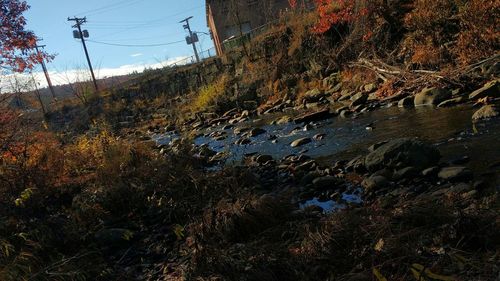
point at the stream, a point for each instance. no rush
(450, 129)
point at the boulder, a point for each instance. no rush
(369, 88)
(313, 95)
(432, 96)
(374, 182)
(406, 102)
(451, 102)
(326, 182)
(486, 112)
(399, 153)
(256, 132)
(300, 142)
(490, 89)
(358, 99)
(261, 159)
(455, 173)
(315, 116)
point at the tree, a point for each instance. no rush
(16, 43)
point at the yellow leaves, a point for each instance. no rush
(379, 275)
(127, 235)
(179, 231)
(379, 246)
(6, 248)
(422, 274)
(25, 196)
(210, 94)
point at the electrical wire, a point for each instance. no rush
(114, 6)
(130, 45)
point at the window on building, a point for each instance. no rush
(234, 30)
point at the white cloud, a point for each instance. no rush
(136, 55)
(74, 75)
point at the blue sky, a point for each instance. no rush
(129, 22)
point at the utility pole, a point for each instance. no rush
(44, 67)
(82, 35)
(192, 39)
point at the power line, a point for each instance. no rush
(145, 24)
(103, 9)
(130, 45)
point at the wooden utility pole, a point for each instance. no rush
(44, 67)
(78, 23)
(192, 38)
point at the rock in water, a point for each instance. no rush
(455, 174)
(451, 102)
(315, 116)
(358, 99)
(401, 153)
(406, 102)
(432, 96)
(486, 112)
(300, 142)
(326, 182)
(491, 89)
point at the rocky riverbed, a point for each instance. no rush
(337, 156)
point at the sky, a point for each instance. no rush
(122, 22)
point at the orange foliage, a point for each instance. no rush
(480, 33)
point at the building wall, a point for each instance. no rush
(228, 18)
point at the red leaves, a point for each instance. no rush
(335, 12)
(17, 44)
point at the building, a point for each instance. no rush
(227, 19)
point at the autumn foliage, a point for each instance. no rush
(16, 43)
(427, 33)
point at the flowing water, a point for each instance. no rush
(450, 129)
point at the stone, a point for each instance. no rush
(400, 153)
(284, 120)
(312, 105)
(405, 173)
(326, 182)
(256, 132)
(490, 89)
(374, 183)
(486, 112)
(345, 96)
(432, 96)
(319, 137)
(243, 141)
(430, 172)
(375, 146)
(357, 165)
(358, 99)
(455, 173)
(315, 116)
(345, 114)
(369, 88)
(245, 113)
(300, 142)
(313, 95)
(407, 102)
(340, 109)
(261, 159)
(451, 102)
